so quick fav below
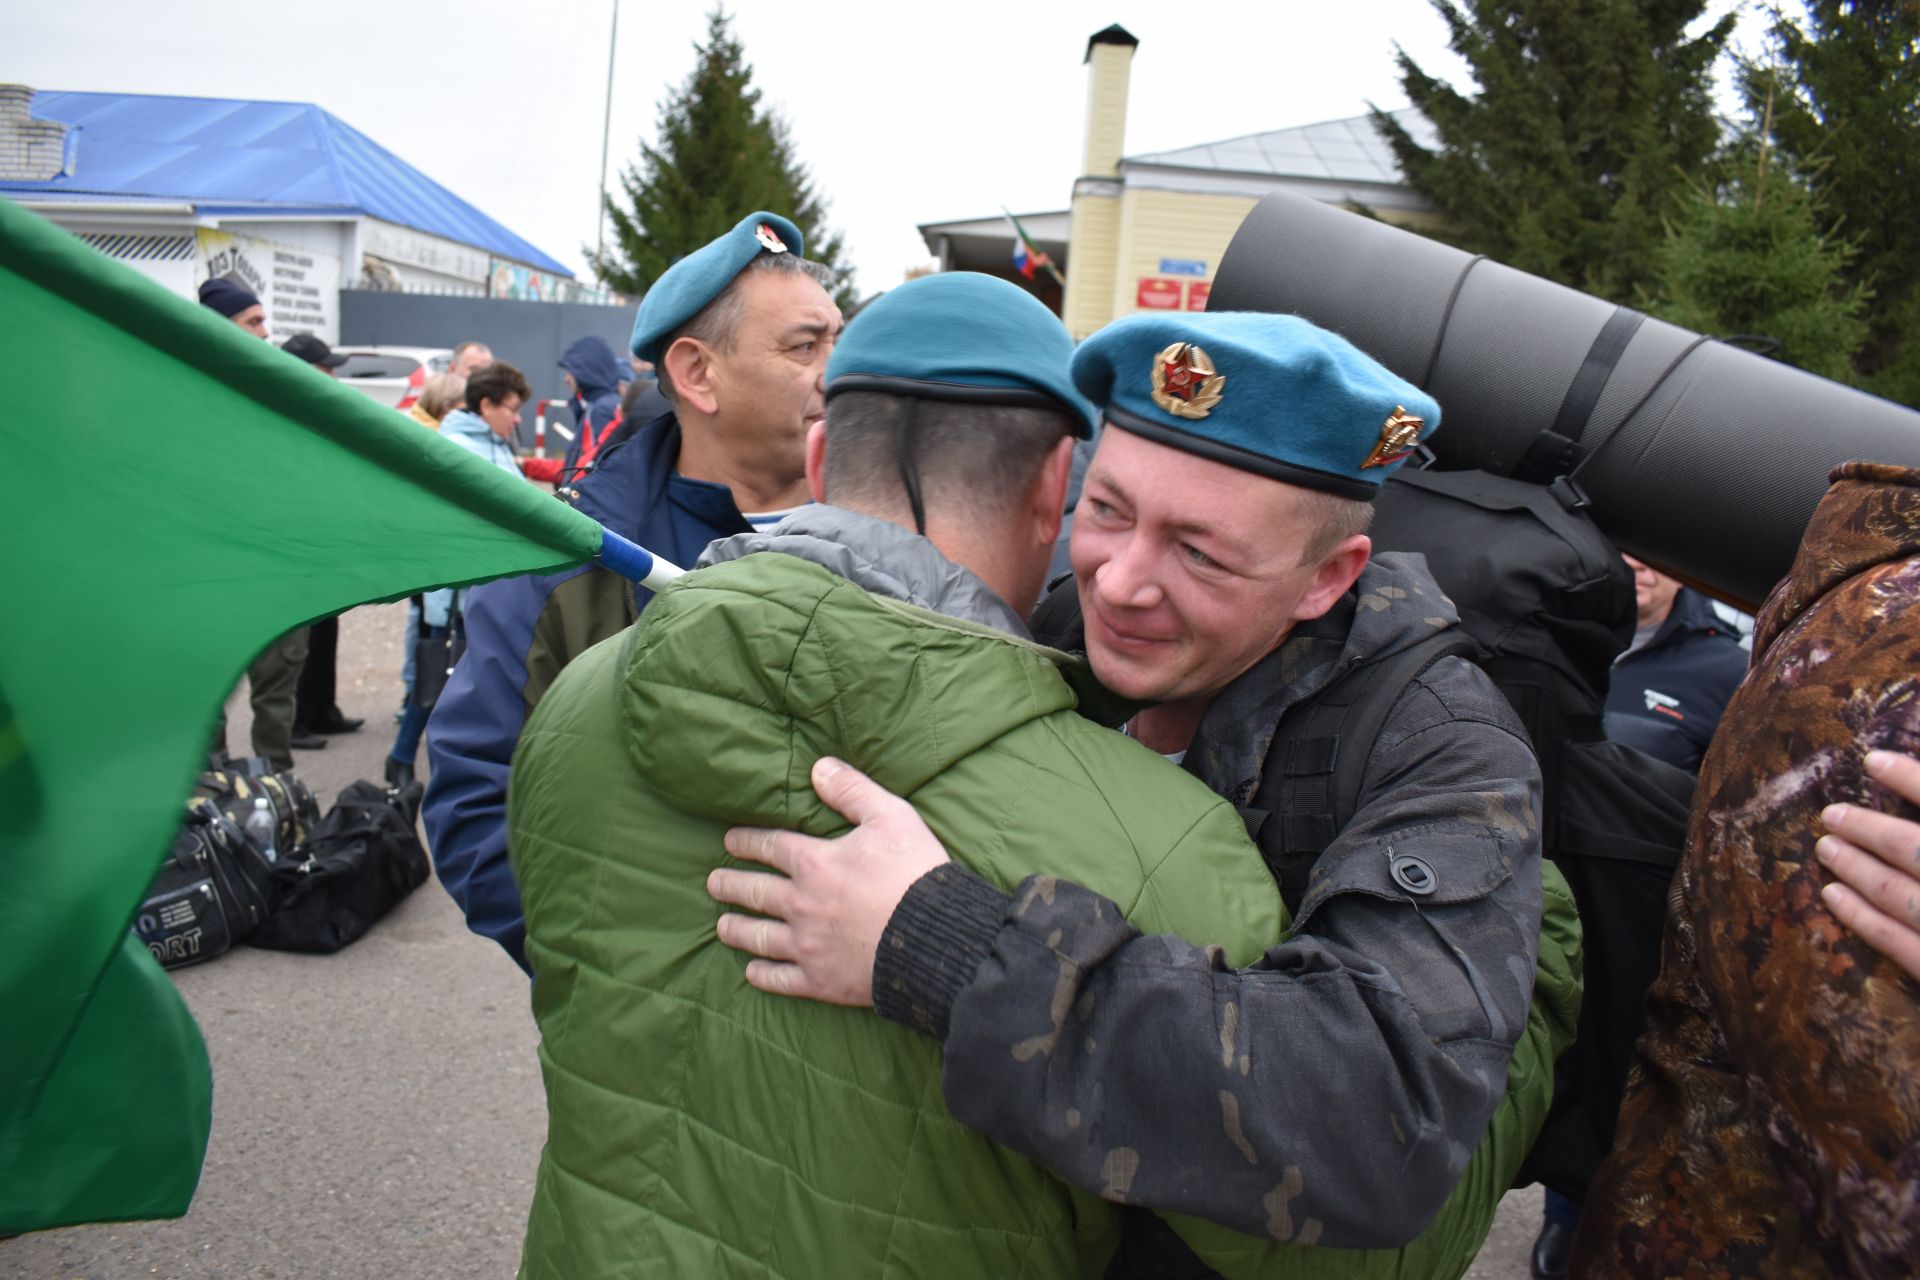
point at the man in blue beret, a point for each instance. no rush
(1351, 1091)
(740, 331)
(695, 1127)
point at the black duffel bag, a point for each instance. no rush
(213, 890)
(360, 860)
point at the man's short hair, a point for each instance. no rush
(976, 460)
(442, 393)
(1332, 519)
(465, 347)
(496, 382)
(718, 323)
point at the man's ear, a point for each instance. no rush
(689, 364)
(817, 461)
(1049, 497)
(1337, 571)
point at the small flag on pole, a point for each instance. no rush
(1027, 257)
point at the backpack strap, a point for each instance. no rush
(1555, 451)
(1310, 785)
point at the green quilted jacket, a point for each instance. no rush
(700, 1128)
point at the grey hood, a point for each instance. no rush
(878, 556)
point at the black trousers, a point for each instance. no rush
(318, 687)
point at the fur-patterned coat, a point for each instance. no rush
(1772, 1124)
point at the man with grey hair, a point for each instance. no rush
(740, 331)
(469, 358)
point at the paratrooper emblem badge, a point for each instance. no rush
(1184, 381)
(1398, 435)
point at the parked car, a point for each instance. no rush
(392, 375)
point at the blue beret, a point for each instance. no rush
(697, 279)
(1270, 394)
(960, 336)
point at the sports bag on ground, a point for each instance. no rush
(360, 860)
(276, 810)
(215, 886)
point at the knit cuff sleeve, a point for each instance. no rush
(932, 946)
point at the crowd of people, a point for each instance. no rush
(889, 904)
(476, 402)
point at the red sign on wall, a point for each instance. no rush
(1156, 294)
(1197, 295)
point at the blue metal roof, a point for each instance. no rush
(234, 156)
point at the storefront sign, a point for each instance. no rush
(299, 288)
(1182, 267)
(1197, 295)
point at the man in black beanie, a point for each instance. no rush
(273, 679)
(236, 302)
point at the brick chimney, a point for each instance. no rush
(30, 150)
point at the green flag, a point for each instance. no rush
(176, 493)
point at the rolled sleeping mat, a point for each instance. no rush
(1698, 457)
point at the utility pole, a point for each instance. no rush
(606, 127)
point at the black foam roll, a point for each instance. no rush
(1699, 457)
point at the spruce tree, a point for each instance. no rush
(1750, 257)
(1844, 80)
(1586, 117)
(720, 157)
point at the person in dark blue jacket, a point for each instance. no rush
(1667, 694)
(1670, 687)
(740, 331)
(594, 375)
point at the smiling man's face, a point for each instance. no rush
(1189, 570)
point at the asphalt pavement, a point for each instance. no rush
(378, 1113)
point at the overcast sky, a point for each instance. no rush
(905, 113)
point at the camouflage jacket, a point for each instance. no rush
(1772, 1124)
(1364, 1055)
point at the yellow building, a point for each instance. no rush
(1147, 232)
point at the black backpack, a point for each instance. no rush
(1547, 598)
(360, 860)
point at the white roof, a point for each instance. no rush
(1348, 150)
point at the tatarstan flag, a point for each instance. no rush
(176, 493)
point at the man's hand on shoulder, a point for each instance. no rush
(819, 922)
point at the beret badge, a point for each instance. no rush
(1398, 435)
(769, 239)
(1184, 381)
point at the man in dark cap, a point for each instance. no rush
(1373, 1082)
(273, 678)
(308, 347)
(740, 331)
(316, 708)
(236, 302)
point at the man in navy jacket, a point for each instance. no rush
(1669, 688)
(741, 331)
